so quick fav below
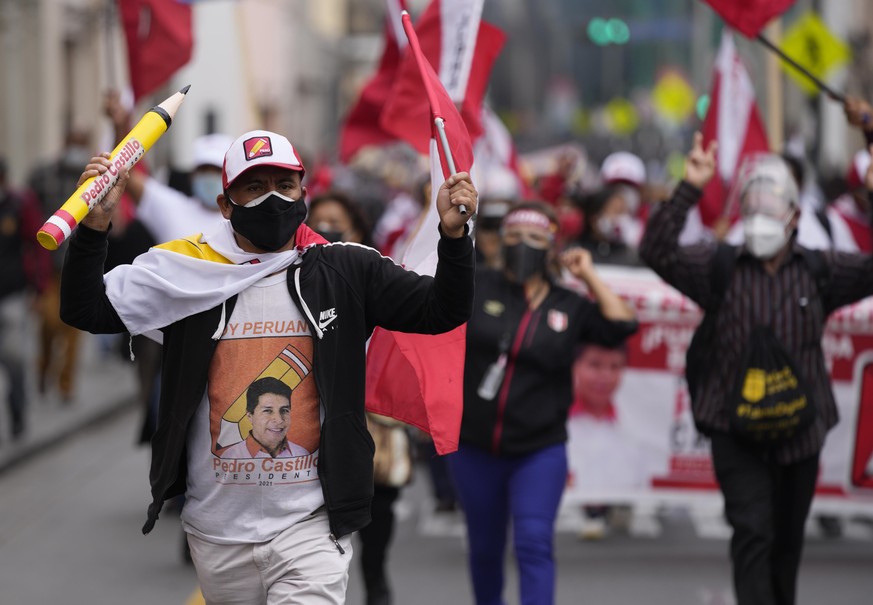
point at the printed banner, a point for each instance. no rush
(636, 439)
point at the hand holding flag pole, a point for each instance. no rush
(433, 101)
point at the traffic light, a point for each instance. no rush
(702, 105)
(608, 31)
(618, 31)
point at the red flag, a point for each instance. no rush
(159, 41)
(361, 127)
(749, 16)
(733, 120)
(464, 68)
(423, 84)
(419, 378)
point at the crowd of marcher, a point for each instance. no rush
(275, 233)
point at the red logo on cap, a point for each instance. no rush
(257, 147)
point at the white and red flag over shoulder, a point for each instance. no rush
(159, 41)
(361, 126)
(462, 49)
(734, 121)
(418, 378)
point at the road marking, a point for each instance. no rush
(196, 598)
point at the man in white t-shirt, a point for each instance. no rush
(261, 297)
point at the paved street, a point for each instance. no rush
(70, 521)
(74, 494)
(104, 383)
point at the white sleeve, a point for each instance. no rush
(841, 234)
(694, 230)
(811, 233)
(162, 210)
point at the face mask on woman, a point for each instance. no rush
(206, 187)
(332, 235)
(268, 221)
(524, 261)
(765, 235)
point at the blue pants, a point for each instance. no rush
(526, 489)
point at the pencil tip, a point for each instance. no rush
(184, 91)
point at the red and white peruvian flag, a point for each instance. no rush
(462, 49)
(361, 127)
(734, 121)
(419, 378)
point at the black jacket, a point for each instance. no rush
(364, 289)
(530, 411)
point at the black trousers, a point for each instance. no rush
(766, 505)
(375, 539)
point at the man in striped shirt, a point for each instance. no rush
(768, 487)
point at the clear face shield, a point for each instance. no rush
(768, 201)
(765, 184)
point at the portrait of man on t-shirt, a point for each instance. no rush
(268, 407)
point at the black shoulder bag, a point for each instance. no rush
(770, 400)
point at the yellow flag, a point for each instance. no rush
(809, 42)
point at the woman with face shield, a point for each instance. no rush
(511, 465)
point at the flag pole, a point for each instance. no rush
(438, 120)
(444, 143)
(775, 113)
(836, 96)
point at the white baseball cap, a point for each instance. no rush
(209, 149)
(259, 148)
(623, 167)
(497, 181)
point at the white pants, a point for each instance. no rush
(300, 566)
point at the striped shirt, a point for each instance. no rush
(788, 301)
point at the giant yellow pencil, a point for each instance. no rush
(140, 139)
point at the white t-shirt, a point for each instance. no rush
(250, 479)
(169, 214)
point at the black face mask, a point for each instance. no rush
(270, 224)
(524, 261)
(330, 235)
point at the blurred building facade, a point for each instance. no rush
(256, 64)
